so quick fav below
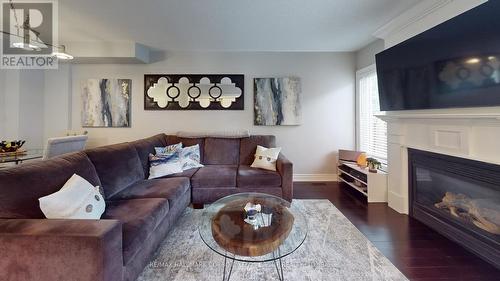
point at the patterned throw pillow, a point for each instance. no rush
(169, 149)
(190, 157)
(161, 165)
(265, 158)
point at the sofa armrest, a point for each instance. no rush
(285, 168)
(40, 249)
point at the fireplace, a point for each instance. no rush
(459, 198)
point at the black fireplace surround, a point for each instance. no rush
(459, 198)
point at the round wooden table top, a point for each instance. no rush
(233, 234)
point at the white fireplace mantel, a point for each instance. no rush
(466, 134)
(461, 116)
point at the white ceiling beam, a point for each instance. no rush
(109, 53)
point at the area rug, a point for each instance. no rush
(334, 250)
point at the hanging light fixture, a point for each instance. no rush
(61, 53)
(28, 44)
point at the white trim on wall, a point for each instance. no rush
(314, 177)
(410, 16)
(421, 17)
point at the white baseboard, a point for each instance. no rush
(398, 202)
(314, 177)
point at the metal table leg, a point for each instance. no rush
(279, 269)
(227, 274)
(228, 266)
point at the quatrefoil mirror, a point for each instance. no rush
(194, 92)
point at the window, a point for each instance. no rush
(371, 132)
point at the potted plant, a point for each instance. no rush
(373, 164)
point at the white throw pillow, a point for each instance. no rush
(265, 158)
(164, 164)
(77, 199)
(190, 157)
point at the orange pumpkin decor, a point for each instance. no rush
(361, 161)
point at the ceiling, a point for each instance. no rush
(229, 25)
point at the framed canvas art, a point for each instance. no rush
(277, 101)
(106, 103)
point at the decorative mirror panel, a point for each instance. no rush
(194, 92)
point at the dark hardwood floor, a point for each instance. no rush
(417, 251)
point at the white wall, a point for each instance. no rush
(57, 101)
(9, 114)
(328, 102)
(31, 109)
(21, 106)
(366, 56)
(2, 104)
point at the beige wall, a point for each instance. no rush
(328, 102)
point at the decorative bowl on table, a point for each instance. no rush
(11, 146)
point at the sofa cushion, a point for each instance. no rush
(220, 151)
(212, 194)
(185, 174)
(253, 177)
(170, 189)
(118, 166)
(146, 146)
(215, 176)
(139, 218)
(249, 145)
(21, 186)
(275, 191)
(171, 139)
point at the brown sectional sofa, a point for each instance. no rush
(139, 212)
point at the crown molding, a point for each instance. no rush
(410, 16)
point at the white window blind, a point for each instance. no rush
(371, 131)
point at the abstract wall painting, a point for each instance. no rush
(106, 103)
(277, 101)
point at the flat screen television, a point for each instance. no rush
(455, 64)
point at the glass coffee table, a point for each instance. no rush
(252, 228)
(19, 158)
